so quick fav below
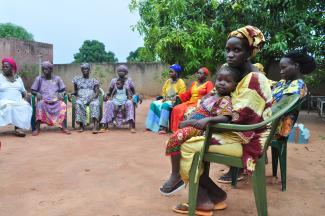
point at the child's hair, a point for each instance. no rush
(235, 73)
(306, 62)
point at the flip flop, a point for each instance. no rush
(227, 179)
(220, 206)
(19, 133)
(185, 207)
(180, 185)
(162, 132)
(65, 131)
(35, 133)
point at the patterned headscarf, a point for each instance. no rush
(85, 65)
(253, 35)
(12, 62)
(177, 68)
(123, 68)
(206, 70)
(47, 64)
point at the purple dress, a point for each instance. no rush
(109, 106)
(50, 109)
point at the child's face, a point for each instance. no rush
(225, 83)
(119, 84)
(289, 69)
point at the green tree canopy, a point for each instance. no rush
(193, 32)
(93, 51)
(9, 30)
(141, 54)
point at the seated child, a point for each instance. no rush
(119, 97)
(215, 108)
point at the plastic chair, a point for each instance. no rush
(258, 176)
(33, 104)
(279, 152)
(73, 101)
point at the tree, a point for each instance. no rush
(9, 30)
(194, 32)
(93, 51)
(141, 54)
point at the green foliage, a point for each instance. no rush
(93, 51)
(141, 54)
(28, 73)
(9, 30)
(193, 32)
(102, 75)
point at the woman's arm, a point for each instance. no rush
(96, 90)
(36, 94)
(203, 123)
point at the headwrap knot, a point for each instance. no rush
(253, 35)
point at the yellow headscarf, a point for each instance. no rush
(253, 35)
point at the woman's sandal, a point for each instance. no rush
(170, 190)
(227, 178)
(19, 133)
(162, 132)
(65, 131)
(183, 209)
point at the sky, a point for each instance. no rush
(68, 23)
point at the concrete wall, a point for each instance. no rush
(25, 52)
(146, 76)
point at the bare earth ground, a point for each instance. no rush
(119, 173)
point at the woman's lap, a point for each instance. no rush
(108, 115)
(230, 144)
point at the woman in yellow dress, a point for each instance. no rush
(190, 98)
(251, 100)
(159, 112)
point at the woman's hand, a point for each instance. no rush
(38, 96)
(201, 124)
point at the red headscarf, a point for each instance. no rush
(12, 62)
(206, 70)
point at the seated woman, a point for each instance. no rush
(214, 108)
(49, 91)
(158, 115)
(13, 108)
(251, 101)
(293, 65)
(108, 115)
(190, 98)
(86, 90)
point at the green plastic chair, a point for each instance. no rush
(258, 176)
(33, 104)
(279, 152)
(73, 101)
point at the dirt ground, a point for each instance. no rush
(118, 174)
